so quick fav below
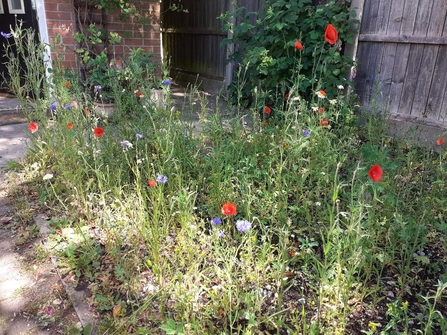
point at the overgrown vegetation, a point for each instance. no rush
(266, 56)
(302, 222)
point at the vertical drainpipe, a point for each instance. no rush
(230, 49)
(43, 32)
(162, 53)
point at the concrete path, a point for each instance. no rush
(13, 142)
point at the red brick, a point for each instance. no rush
(50, 6)
(58, 16)
(65, 7)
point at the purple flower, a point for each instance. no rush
(68, 107)
(216, 221)
(306, 133)
(166, 82)
(97, 88)
(221, 233)
(53, 107)
(50, 310)
(243, 225)
(5, 35)
(161, 178)
(139, 136)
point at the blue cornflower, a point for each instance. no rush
(53, 107)
(166, 82)
(216, 221)
(97, 88)
(68, 107)
(161, 178)
(306, 133)
(139, 136)
(243, 225)
(5, 35)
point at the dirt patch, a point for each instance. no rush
(32, 296)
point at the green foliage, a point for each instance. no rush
(325, 239)
(265, 50)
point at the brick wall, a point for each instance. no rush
(61, 22)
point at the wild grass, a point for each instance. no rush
(137, 215)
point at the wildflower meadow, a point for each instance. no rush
(284, 215)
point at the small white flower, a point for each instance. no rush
(317, 203)
(48, 176)
(35, 165)
(340, 87)
(333, 101)
(315, 108)
(126, 145)
(296, 99)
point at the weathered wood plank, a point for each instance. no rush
(411, 78)
(398, 79)
(409, 17)
(367, 24)
(389, 54)
(441, 66)
(422, 20)
(423, 83)
(371, 70)
(361, 71)
(438, 18)
(431, 86)
(383, 17)
(193, 31)
(407, 39)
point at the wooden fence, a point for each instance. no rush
(401, 51)
(192, 40)
(402, 58)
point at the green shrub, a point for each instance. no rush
(265, 49)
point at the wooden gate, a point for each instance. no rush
(192, 37)
(402, 58)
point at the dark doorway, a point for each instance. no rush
(12, 12)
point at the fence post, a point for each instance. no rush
(230, 47)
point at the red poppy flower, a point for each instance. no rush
(229, 209)
(66, 84)
(98, 131)
(324, 122)
(440, 141)
(139, 94)
(152, 183)
(331, 34)
(267, 110)
(70, 126)
(375, 173)
(33, 127)
(298, 45)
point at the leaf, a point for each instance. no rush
(423, 259)
(87, 329)
(170, 327)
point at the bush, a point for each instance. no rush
(266, 52)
